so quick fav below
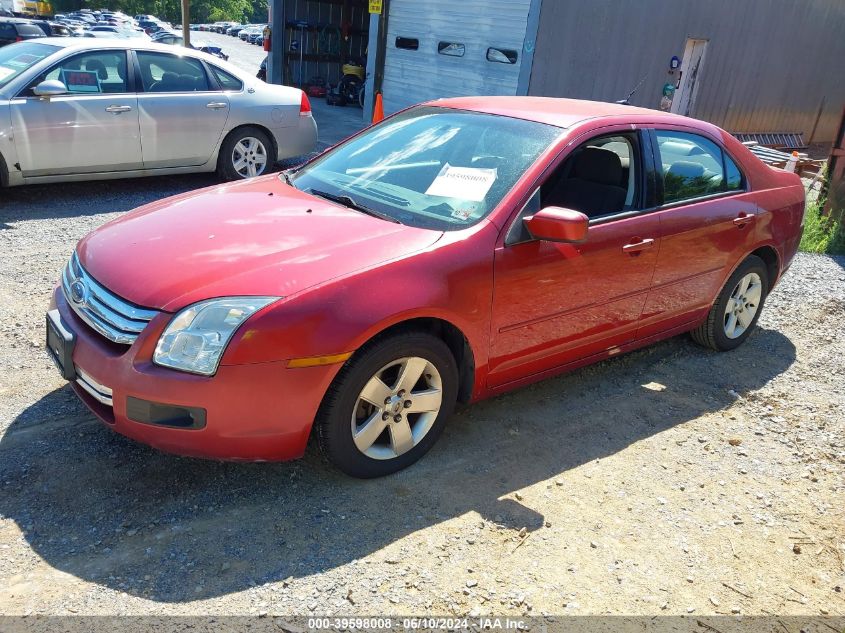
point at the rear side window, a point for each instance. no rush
(733, 176)
(227, 80)
(7, 31)
(694, 166)
(162, 72)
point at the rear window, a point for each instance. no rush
(29, 29)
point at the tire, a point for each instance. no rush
(725, 329)
(245, 139)
(390, 435)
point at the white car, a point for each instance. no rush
(87, 109)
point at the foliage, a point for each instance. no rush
(823, 234)
(202, 11)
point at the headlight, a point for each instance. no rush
(196, 338)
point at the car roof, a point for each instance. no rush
(559, 112)
(88, 43)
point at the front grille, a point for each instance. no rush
(113, 317)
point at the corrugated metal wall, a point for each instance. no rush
(411, 76)
(323, 48)
(770, 64)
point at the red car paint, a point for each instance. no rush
(346, 277)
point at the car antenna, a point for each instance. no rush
(627, 100)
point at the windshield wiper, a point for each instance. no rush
(350, 202)
(286, 175)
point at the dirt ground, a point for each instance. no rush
(672, 480)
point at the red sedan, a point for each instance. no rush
(457, 250)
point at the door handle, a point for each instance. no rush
(216, 105)
(117, 109)
(743, 219)
(636, 247)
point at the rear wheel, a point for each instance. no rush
(246, 153)
(388, 405)
(734, 314)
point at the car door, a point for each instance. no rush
(554, 303)
(92, 128)
(707, 216)
(182, 111)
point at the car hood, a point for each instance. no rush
(256, 237)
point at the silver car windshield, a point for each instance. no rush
(17, 58)
(429, 167)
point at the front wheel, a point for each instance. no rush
(388, 405)
(246, 153)
(734, 314)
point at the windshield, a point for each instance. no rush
(430, 167)
(16, 58)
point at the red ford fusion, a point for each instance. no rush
(457, 250)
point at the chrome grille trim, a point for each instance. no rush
(109, 315)
(100, 393)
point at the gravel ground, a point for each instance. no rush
(672, 480)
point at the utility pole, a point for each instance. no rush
(186, 22)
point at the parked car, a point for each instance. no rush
(71, 113)
(253, 30)
(234, 30)
(457, 250)
(54, 29)
(18, 29)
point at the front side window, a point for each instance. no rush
(694, 166)
(431, 167)
(162, 72)
(599, 178)
(86, 73)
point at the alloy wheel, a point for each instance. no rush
(249, 157)
(397, 408)
(742, 305)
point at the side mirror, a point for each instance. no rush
(556, 224)
(49, 88)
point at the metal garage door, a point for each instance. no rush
(424, 44)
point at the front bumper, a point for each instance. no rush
(253, 412)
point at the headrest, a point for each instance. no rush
(687, 169)
(599, 165)
(98, 66)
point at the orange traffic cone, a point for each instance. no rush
(378, 109)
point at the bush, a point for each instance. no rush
(822, 234)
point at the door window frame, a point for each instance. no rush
(26, 91)
(657, 160)
(646, 201)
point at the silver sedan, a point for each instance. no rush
(73, 109)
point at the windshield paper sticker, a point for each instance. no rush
(5, 72)
(466, 183)
(80, 80)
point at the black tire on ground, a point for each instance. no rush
(711, 333)
(334, 419)
(226, 169)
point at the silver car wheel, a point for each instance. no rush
(249, 157)
(742, 305)
(397, 408)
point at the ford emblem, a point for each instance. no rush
(78, 291)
